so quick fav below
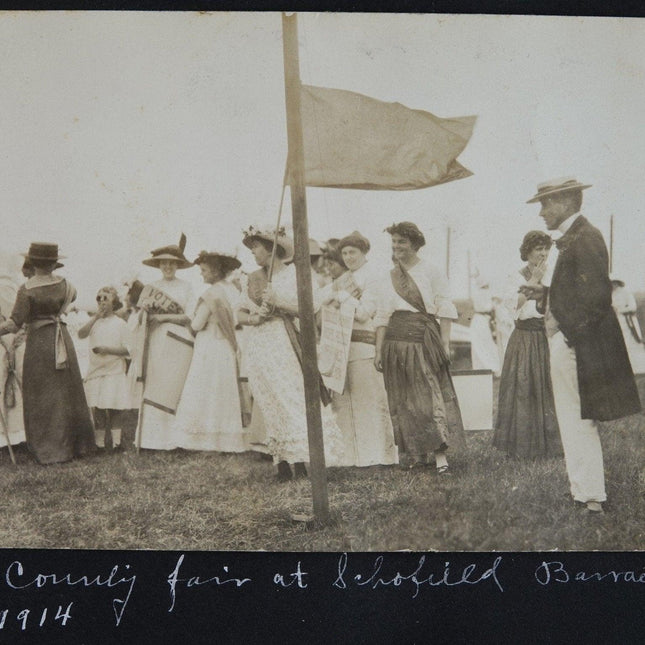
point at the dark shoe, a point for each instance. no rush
(444, 470)
(300, 470)
(284, 472)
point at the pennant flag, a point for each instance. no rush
(354, 141)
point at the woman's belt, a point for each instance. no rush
(37, 323)
(530, 324)
(418, 327)
(363, 336)
(409, 326)
(60, 350)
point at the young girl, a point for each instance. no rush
(106, 385)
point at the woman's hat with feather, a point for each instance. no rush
(173, 252)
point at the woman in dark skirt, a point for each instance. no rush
(526, 423)
(412, 350)
(58, 426)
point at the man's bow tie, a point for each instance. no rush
(561, 243)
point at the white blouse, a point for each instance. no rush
(434, 289)
(512, 297)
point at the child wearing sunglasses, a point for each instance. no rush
(106, 384)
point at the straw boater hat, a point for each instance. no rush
(554, 186)
(283, 240)
(356, 240)
(172, 252)
(227, 262)
(43, 251)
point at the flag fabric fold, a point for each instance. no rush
(354, 141)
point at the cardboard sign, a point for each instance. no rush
(335, 339)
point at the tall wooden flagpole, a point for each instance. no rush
(611, 244)
(296, 165)
(448, 253)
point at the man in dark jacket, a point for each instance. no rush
(590, 369)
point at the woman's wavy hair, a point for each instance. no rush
(532, 240)
(116, 302)
(410, 231)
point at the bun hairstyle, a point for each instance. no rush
(410, 231)
(532, 240)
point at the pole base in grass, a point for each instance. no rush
(311, 523)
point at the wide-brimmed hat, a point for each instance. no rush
(227, 262)
(28, 264)
(554, 186)
(173, 252)
(283, 241)
(356, 240)
(43, 251)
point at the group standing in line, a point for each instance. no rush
(177, 358)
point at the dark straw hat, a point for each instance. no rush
(356, 240)
(226, 262)
(173, 252)
(43, 251)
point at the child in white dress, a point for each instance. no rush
(106, 384)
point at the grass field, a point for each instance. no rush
(208, 501)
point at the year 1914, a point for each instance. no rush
(43, 617)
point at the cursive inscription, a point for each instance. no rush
(555, 571)
(195, 581)
(16, 578)
(417, 578)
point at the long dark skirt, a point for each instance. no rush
(421, 397)
(58, 425)
(526, 424)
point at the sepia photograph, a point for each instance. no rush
(322, 282)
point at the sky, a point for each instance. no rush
(122, 130)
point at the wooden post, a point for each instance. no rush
(611, 244)
(448, 253)
(310, 372)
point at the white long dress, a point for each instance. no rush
(156, 426)
(362, 411)
(208, 416)
(275, 377)
(624, 305)
(484, 352)
(11, 401)
(106, 385)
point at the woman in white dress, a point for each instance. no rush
(208, 416)
(624, 305)
(155, 429)
(106, 385)
(361, 410)
(272, 361)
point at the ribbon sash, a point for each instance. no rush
(407, 288)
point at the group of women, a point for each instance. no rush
(178, 359)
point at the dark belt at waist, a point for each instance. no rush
(409, 326)
(363, 336)
(37, 323)
(417, 327)
(530, 324)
